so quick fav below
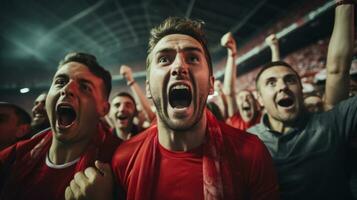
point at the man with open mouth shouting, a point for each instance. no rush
(42, 167)
(188, 154)
(122, 113)
(309, 149)
(243, 110)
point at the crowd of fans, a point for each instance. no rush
(283, 131)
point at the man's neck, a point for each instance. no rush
(123, 133)
(61, 153)
(279, 126)
(182, 140)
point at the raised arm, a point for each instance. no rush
(339, 56)
(218, 87)
(126, 72)
(230, 73)
(273, 43)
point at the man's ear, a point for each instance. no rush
(260, 99)
(147, 88)
(104, 109)
(211, 85)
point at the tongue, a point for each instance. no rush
(180, 98)
(285, 102)
(66, 119)
(66, 116)
(180, 103)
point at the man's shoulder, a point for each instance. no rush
(243, 144)
(126, 149)
(24, 146)
(257, 129)
(238, 137)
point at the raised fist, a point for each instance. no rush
(271, 40)
(126, 72)
(228, 41)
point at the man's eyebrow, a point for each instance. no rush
(192, 49)
(86, 81)
(167, 50)
(292, 75)
(271, 78)
(61, 76)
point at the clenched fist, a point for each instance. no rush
(94, 183)
(126, 72)
(228, 41)
(271, 40)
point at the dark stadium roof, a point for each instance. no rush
(36, 34)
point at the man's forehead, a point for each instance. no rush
(41, 97)
(244, 93)
(75, 69)
(177, 41)
(277, 72)
(122, 99)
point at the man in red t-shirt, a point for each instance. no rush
(243, 109)
(248, 113)
(42, 167)
(188, 154)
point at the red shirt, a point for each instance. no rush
(178, 175)
(236, 121)
(24, 173)
(39, 185)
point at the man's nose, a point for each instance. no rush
(281, 85)
(69, 89)
(180, 68)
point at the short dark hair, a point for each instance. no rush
(22, 115)
(270, 65)
(91, 62)
(126, 94)
(177, 25)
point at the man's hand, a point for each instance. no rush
(228, 41)
(126, 72)
(93, 183)
(271, 40)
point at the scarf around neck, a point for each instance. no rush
(214, 166)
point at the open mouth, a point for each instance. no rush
(66, 115)
(122, 117)
(246, 108)
(180, 96)
(286, 102)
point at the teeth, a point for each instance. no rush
(64, 106)
(180, 87)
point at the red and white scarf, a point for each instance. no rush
(217, 181)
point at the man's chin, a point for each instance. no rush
(37, 122)
(289, 119)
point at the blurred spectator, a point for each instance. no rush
(14, 124)
(121, 115)
(39, 114)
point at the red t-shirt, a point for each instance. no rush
(180, 174)
(39, 185)
(236, 121)
(24, 173)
